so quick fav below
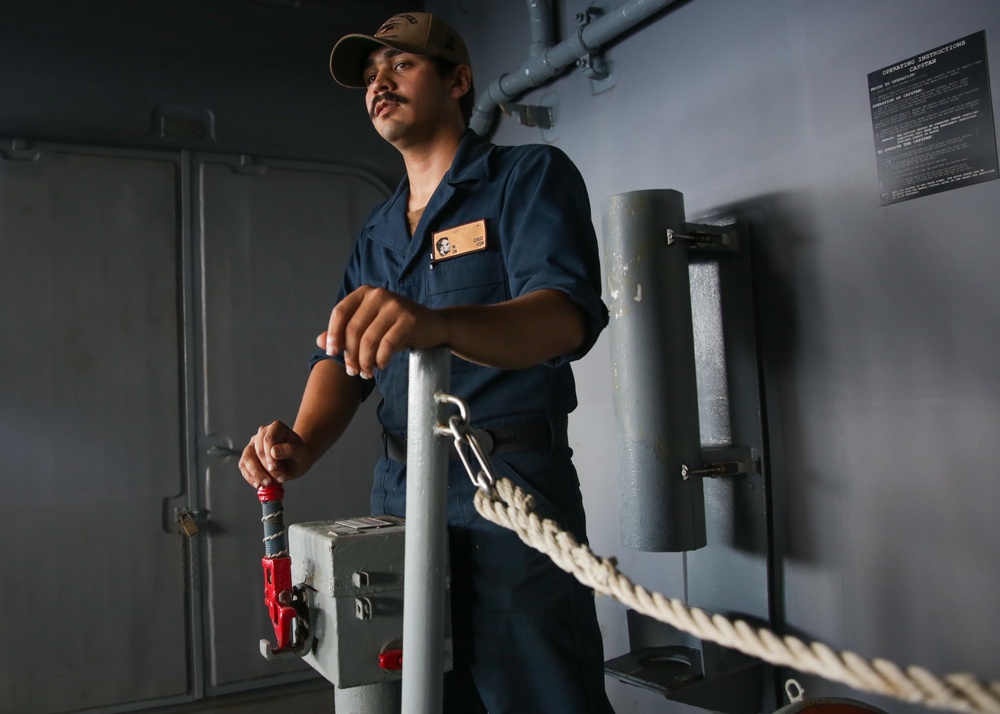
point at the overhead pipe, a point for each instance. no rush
(542, 35)
(543, 65)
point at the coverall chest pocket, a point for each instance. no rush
(474, 279)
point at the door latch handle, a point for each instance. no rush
(221, 452)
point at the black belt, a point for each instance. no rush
(506, 439)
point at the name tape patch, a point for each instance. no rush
(453, 242)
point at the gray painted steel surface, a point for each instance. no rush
(710, 354)
(653, 372)
(426, 533)
(369, 699)
(356, 578)
(162, 306)
(93, 582)
(875, 324)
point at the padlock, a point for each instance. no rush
(188, 525)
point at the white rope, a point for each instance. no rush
(510, 507)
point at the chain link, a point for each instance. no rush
(465, 436)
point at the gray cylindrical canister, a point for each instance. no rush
(653, 371)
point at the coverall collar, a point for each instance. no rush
(388, 226)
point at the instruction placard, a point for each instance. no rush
(932, 116)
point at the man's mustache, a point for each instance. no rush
(385, 96)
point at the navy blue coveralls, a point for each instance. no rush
(525, 632)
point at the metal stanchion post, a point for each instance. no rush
(426, 534)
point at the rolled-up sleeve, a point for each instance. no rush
(548, 236)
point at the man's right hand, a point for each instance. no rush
(275, 454)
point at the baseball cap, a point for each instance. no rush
(419, 33)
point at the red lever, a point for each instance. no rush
(278, 596)
(391, 660)
(277, 566)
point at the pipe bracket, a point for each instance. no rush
(593, 63)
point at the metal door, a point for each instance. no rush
(273, 239)
(156, 308)
(91, 433)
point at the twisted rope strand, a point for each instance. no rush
(508, 506)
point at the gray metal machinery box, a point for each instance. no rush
(354, 568)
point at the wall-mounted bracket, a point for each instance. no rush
(722, 462)
(688, 403)
(530, 114)
(705, 237)
(594, 66)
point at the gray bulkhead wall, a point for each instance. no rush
(878, 324)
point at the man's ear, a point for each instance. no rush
(461, 81)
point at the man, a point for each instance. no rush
(516, 297)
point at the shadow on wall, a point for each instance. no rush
(778, 233)
(783, 243)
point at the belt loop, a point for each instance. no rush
(385, 445)
(559, 426)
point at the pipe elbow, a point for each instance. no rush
(482, 119)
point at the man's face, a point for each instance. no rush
(406, 97)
